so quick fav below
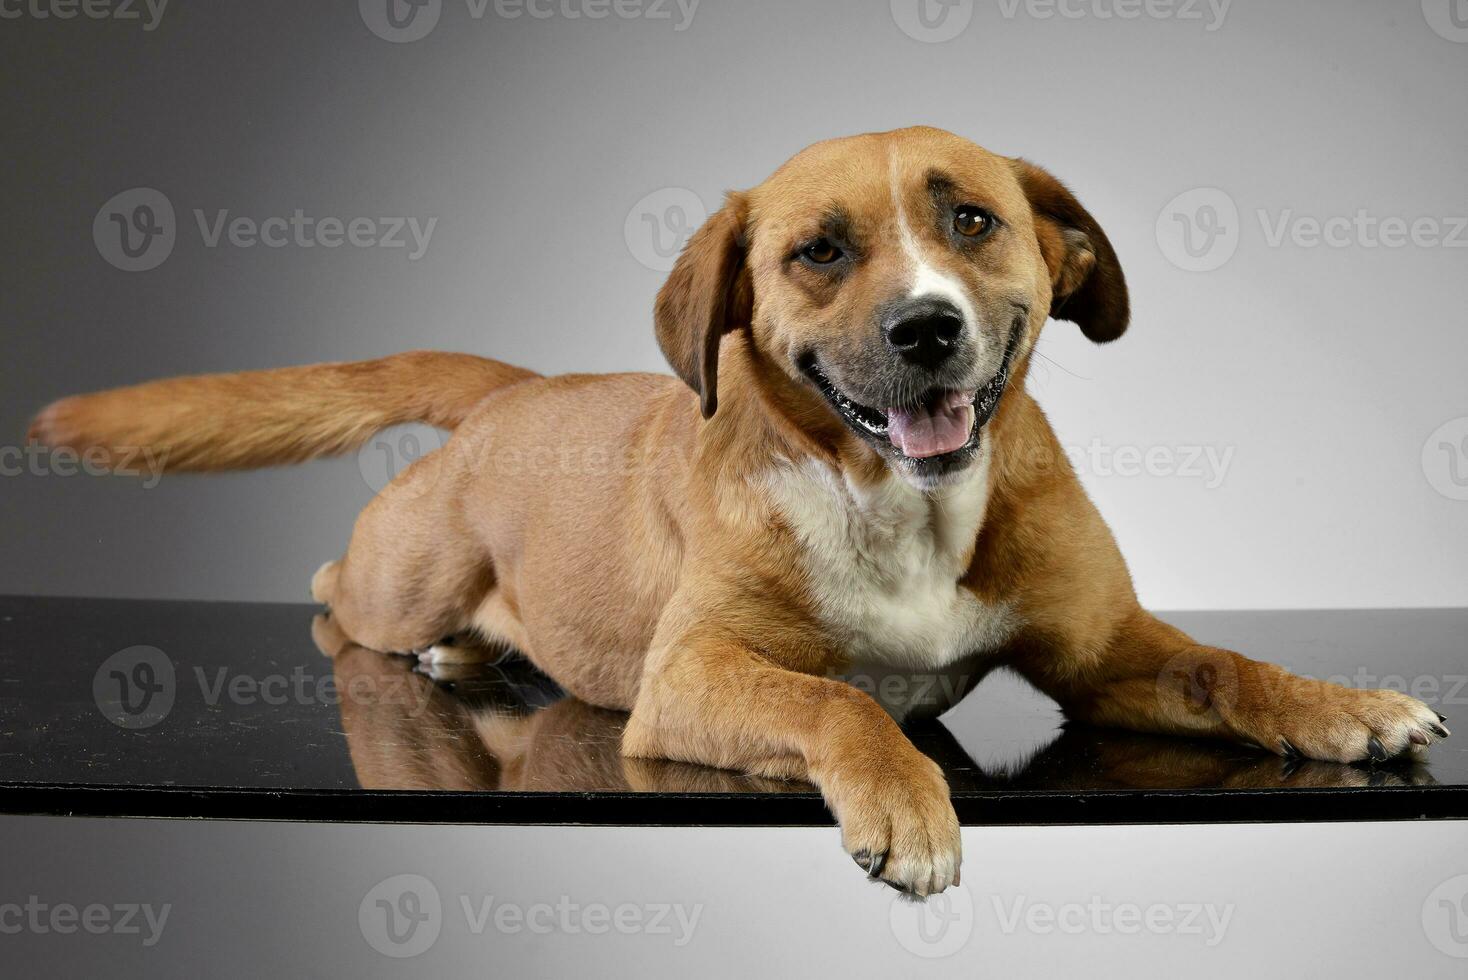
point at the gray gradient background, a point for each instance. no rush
(1323, 370)
(775, 902)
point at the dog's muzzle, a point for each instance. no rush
(940, 424)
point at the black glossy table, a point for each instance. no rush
(223, 710)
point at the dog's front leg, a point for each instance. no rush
(1149, 676)
(711, 696)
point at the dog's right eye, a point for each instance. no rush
(821, 252)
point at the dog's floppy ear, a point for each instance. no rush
(1089, 287)
(707, 294)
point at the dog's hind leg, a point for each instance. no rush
(412, 576)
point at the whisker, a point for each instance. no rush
(1036, 351)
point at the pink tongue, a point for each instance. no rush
(932, 430)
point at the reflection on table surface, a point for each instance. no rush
(504, 726)
(257, 723)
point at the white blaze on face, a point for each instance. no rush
(926, 279)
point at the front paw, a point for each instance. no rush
(1323, 721)
(898, 824)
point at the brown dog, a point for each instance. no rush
(857, 484)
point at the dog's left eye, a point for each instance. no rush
(821, 252)
(971, 221)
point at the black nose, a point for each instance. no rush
(924, 332)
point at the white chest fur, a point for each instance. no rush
(883, 564)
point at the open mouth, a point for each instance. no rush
(942, 422)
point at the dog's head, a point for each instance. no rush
(901, 278)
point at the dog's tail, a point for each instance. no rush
(212, 422)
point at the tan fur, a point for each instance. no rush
(613, 527)
(270, 418)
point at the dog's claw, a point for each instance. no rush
(870, 863)
(1440, 731)
(1442, 718)
(1419, 738)
(1377, 750)
(1290, 752)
